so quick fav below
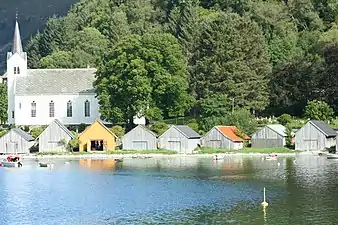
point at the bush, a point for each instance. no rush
(284, 119)
(26, 128)
(118, 130)
(73, 143)
(3, 132)
(36, 131)
(159, 128)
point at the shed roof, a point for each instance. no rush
(187, 131)
(101, 124)
(231, 133)
(144, 128)
(56, 81)
(324, 128)
(23, 134)
(62, 127)
(278, 128)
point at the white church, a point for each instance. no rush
(38, 96)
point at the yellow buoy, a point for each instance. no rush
(264, 203)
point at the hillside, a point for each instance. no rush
(218, 61)
(33, 15)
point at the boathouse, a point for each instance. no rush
(97, 137)
(224, 137)
(179, 138)
(140, 138)
(315, 135)
(16, 141)
(55, 138)
(270, 136)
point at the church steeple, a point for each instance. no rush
(17, 45)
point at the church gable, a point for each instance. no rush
(56, 81)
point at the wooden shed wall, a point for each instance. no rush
(309, 138)
(215, 139)
(50, 139)
(267, 138)
(12, 143)
(139, 139)
(174, 140)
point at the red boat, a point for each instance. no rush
(11, 161)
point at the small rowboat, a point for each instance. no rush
(217, 157)
(270, 157)
(46, 165)
(11, 164)
(11, 161)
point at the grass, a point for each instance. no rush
(155, 151)
(266, 150)
(246, 150)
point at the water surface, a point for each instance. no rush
(184, 190)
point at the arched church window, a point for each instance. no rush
(33, 109)
(51, 109)
(14, 70)
(69, 109)
(87, 108)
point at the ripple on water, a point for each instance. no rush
(165, 192)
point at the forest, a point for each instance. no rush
(170, 58)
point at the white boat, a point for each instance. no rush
(271, 157)
(218, 157)
(332, 156)
(5, 163)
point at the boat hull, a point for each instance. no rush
(332, 157)
(11, 164)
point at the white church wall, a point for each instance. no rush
(23, 109)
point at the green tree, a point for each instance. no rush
(60, 59)
(318, 110)
(118, 130)
(3, 104)
(223, 62)
(243, 120)
(289, 135)
(284, 119)
(144, 75)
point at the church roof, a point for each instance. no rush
(56, 81)
(17, 45)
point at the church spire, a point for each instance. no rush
(17, 45)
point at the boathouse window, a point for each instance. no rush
(69, 109)
(51, 109)
(33, 109)
(87, 108)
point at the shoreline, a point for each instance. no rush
(130, 156)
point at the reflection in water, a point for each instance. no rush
(98, 163)
(264, 214)
(183, 190)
